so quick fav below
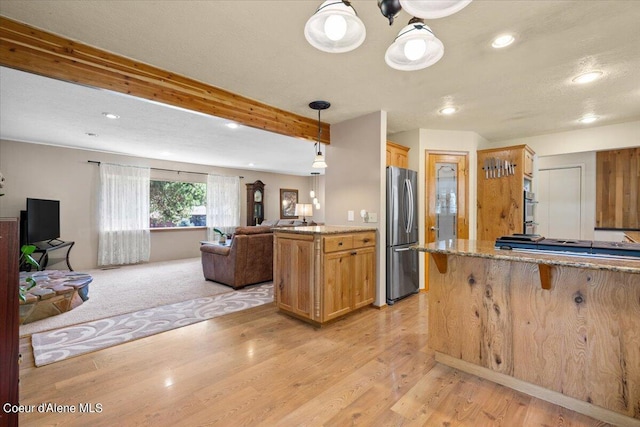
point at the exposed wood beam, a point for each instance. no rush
(36, 51)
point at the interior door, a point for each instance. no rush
(447, 215)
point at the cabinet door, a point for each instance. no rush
(9, 319)
(401, 160)
(528, 163)
(336, 292)
(397, 155)
(364, 277)
(293, 276)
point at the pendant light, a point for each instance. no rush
(319, 161)
(415, 48)
(335, 27)
(314, 190)
(433, 9)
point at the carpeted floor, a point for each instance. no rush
(133, 288)
(54, 346)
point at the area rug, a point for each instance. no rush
(126, 289)
(54, 346)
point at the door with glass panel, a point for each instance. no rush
(445, 199)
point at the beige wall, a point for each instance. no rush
(355, 179)
(42, 171)
(600, 138)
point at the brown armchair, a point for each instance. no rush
(247, 261)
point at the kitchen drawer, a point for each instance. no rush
(362, 240)
(338, 243)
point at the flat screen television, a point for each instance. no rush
(43, 220)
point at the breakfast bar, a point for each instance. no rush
(564, 328)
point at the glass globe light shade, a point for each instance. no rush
(433, 9)
(319, 162)
(335, 28)
(415, 48)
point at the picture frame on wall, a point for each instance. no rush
(288, 200)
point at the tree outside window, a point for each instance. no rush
(177, 204)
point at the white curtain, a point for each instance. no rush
(223, 204)
(123, 215)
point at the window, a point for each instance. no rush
(177, 204)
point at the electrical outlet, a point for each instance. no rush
(350, 216)
(373, 217)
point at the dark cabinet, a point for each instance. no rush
(255, 203)
(9, 318)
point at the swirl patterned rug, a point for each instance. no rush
(54, 346)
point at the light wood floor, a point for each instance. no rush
(260, 367)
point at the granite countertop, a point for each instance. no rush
(323, 229)
(485, 249)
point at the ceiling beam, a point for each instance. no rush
(36, 51)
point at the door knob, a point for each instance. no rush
(434, 228)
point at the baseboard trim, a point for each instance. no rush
(551, 396)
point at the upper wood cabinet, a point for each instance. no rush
(397, 155)
(500, 198)
(618, 189)
(527, 161)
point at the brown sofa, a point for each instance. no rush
(247, 261)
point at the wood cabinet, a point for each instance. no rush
(255, 203)
(320, 277)
(293, 276)
(528, 161)
(500, 200)
(9, 318)
(618, 189)
(397, 155)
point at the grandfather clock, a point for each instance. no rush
(255, 203)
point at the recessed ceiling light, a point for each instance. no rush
(448, 110)
(589, 118)
(502, 41)
(165, 153)
(587, 77)
(111, 116)
(232, 125)
(251, 164)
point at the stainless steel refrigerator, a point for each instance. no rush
(402, 233)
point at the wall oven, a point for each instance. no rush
(529, 213)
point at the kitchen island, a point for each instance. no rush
(563, 328)
(321, 273)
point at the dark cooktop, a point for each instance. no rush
(587, 247)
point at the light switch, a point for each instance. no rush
(350, 216)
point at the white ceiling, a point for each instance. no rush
(257, 49)
(48, 111)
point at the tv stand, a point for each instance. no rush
(44, 248)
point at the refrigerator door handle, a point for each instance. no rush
(410, 199)
(408, 205)
(402, 250)
(393, 213)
